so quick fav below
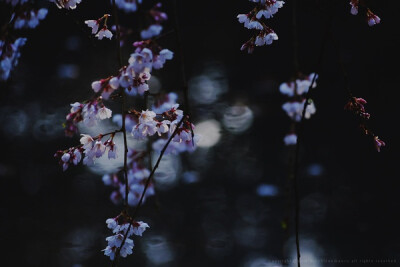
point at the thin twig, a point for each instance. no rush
(299, 136)
(117, 253)
(123, 129)
(181, 53)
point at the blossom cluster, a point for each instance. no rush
(132, 184)
(372, 19)
(29, 18)
(16, 2)
(137, 178)
(296, 91)
(104, 31)
(66, 4)
(90, 147)
(9, 55)
(254, 20)
(134, 77)
(128, 5)
(123, 228)
(23, 16)
(156, 18)
(89, 113)
(357, 106)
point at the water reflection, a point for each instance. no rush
(267, 190)
(157, 249)
(78, 246)
(68, 71)
(206, 87)
(167, 173)
(209, 131)
(237, 118)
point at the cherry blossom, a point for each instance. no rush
(295, 109)
(67, 4)
(94, 24)
(104, 32)
(378, 143)
(88, 113)
(120, 227)
(147, 125)
(253, 20)
(128, 5)
(151, 31)
(16, 2)
(372, 18)
(299, 86)
(290, 139)
(354, 6)
(30, 18)
(9, 55)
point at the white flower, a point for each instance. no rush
(254, 24)
(88, 160)
(104, 33)
(127, 248)
(114, 83)
(96, 86)
(87, 141)
(138, 230)
(290, 139)
(163, 127)
(160, 59)
(147, 125)
(66, 157)
(128, 5)
(264, 38)
(153, 30)
(99, 149)
(76, 157)
(115, 240)
(141, 61)
(67, 4)
(270, 37)
(107, 181)
(243, 18)
(94, 24)
(147, 116)
(110, 252)
(270, 9)
(111, 223)
(104, 113)
(354, 7)
(112, 149)
(287, 89)
(295, 109)
(372, 18)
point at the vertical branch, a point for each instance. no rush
(295, 38)
(123, 129)
(179, 44)
(299, 138)
(117, 253)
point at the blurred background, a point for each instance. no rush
(228, 203)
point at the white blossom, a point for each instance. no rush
(104, 113)
(151, 31)
(128, 5)
(290, 139)
(87, 141)
(94, 24)
(138, 230)
(104, 32)
(67, 4)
